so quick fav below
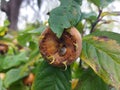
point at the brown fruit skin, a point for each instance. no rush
(3, 48)
(60, 51)
(29, 79)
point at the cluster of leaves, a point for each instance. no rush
(22, 57)
(98, 68)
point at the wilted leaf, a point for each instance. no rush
(13, 75)
(90, 81)
(52, 78)
(64, 16)
(108, 34)
(102, 54)
(114, 13)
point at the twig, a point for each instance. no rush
(80, 63)
(95, 23)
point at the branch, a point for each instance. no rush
(96, 22)
(4, 6)
(11, 8)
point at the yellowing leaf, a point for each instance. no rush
(74, 83)
(3, 31)
(102, 54)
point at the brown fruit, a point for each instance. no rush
(60, 51)
(29, 79)
(3, 48)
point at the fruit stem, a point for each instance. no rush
(80, 63)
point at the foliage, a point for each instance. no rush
(4, 29)
(101, 3)
(97, 69)
(68, 16)
(102, 54)
(88, 79)
(55, 78)
(11, 76)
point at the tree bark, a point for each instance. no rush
(11, 9)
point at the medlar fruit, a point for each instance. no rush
(3, 48)
(29, 79)
(60, 51)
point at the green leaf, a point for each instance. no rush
(67, 2)
(64, 16)
(79, 1)
(76, 70)
(20, 85)
(101, 3)
(24, 38)
(33, 45)
(92, 16)
(80, 27)
(90, 81)
(103, 56)
(13, 75)
(52, 78)
(38, 30)
(12, 61)
(6, 23)
(1, 85)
